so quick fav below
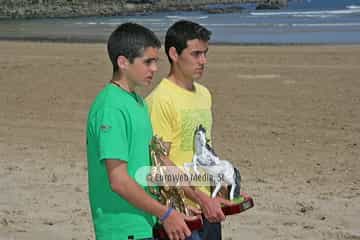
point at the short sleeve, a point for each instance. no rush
(162, 118)
(112, 131)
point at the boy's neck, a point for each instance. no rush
(124, 84)
(182, 81)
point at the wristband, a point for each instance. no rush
(166, 214)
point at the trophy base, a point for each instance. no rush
(193, 224)
(241, 204)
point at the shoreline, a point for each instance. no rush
(228, 29)
(97, 41)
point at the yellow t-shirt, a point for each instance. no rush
(175, 113)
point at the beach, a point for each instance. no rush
(287, 116)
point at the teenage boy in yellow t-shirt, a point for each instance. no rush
(179, 104)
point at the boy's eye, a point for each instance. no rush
(199, 53)
(150, 61)
(196, 54)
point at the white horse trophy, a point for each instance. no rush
(222, 172)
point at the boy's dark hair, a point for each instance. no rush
(181, 32)
(130, 40)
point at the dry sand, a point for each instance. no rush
(287, 116)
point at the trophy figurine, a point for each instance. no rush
(168, 194)
(222, 173)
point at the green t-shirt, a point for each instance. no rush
(118, 127)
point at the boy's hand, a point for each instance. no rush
(175, 226)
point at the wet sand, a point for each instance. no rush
(287, 116)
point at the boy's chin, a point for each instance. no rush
(197, 76)
(145, 83)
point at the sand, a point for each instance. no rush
(287, 116)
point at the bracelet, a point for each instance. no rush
(166, 214)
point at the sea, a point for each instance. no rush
(301, 22)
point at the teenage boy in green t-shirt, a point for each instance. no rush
(118, 137)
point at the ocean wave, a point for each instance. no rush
(322, 13)
(353, 7)
(187, 17)
(243, 25)
(150, 20)
(98, 23)
(85, 23)
(118, 22)
(282, 25)
(250, 25)
(349, 24)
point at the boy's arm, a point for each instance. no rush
(124, 185)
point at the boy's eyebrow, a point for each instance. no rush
(151, 59)
(201, 51)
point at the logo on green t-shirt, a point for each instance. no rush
(105, 128)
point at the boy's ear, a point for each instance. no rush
(122, 62)
(173, 54)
